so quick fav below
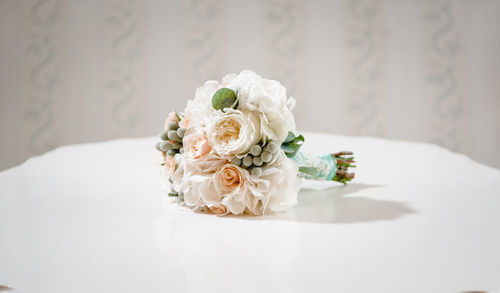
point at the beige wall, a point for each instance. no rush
(81, 71)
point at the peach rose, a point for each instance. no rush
(196, 145)
(185, 121)
(217, 209)
(229, 179)
(170, 164)
(172, 117)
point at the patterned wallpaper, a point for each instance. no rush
(365, 50)
(122, 23)
(284, 41)
(42, 48)
(81, 71)
(445, 84)
(204, 44)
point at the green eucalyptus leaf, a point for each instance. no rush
(224, 98)
(299, 139)
(309, 170)
(287, 148)
(290, 137)
(292, 144)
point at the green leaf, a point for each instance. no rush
(292, 144)
(287, 148)
(309, 170)
(298, 140)
(290, 137)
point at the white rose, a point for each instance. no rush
(285, 184)
(267, 97)
(276, 190)
(198, 188)
(234, 132)
(199, 109)
(199, 191)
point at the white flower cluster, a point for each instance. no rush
(228, 160)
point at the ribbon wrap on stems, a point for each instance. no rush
(316, 166)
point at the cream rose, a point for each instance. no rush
(266, 96)
(234, 132)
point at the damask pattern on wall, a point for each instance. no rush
(284, 37)
(365, 65)
(444, 55)
(121, 45)
(42, 75)
(199, 41)
(204, 43)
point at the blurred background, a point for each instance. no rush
(83, 71)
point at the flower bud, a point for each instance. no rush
(255, 150)
(256, 172)
(164, 135)
(164, 146)
(247, 161)
(172, 144)
(172, 134)
(171, 125)
(236, 161)
(181, 131)
(272, 147)
(266, 157)
(257, 161)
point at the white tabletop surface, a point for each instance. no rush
(92, 218)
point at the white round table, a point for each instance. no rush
(93, 218)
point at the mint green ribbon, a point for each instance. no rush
(316, 166)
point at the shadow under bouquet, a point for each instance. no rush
(234, 149)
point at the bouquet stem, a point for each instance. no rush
(343, 164)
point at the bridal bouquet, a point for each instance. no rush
(234, 149)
